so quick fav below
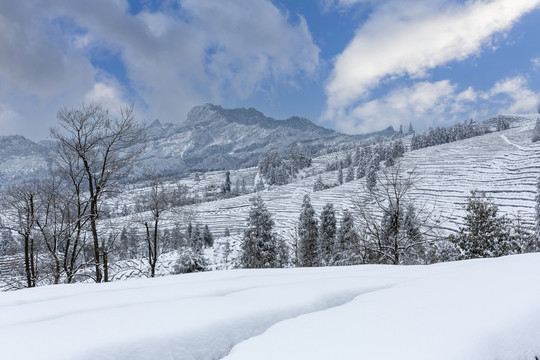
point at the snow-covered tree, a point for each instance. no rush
(259, 243)
(484, 232)
(411, 130)
(347, 243)
(226, 186)
(207, 237)
(536, 131)
(189, 261)
(350, 173)
(319, 184)
(327, 234)
(340, 176)
(307, 234)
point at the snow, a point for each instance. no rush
(476, 309)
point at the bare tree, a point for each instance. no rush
(20, 208)
(158, 202)
(395, 230)
(97, 150)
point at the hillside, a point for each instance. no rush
(504, 164)
(477, 309)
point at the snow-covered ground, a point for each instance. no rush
(477, 309)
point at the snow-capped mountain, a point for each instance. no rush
(210, 138)
(216, 138)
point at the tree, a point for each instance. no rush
(411, 130)
(208, 239)
(350, 173)
(258, 248)
(347, 243)
(226, 187)
(327, 234)
(20, 209)
(158, 202)
(104, 149)
(402, 233)
(307, 234)
(319, 184)
(340, 176)
(536, 131)
(485, 233)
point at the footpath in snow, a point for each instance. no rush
(479, 309)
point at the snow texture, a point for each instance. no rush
(476, 309)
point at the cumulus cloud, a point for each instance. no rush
(440, 103)
(408, 38)
(183, 54)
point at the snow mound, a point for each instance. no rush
(480, 309)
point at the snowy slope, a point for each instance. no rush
(504, 164)
(480, 309)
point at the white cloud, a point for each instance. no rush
(522, 99)
(409, 38)
(174, 58)
(536, 62)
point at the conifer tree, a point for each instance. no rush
(485, 233)
(196, 238)
(350, 173)
(347, 242)
(411, 130)
(319, 184)
(327, 234)
(307, 234)
(226, 187)
(340, 176)
(259, 243)
(207, 237)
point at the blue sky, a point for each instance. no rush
(351, 65)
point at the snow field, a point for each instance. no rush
(476, 309)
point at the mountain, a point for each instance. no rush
(21, 159)
(216, 138)
(211, 137)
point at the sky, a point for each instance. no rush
(351, 65)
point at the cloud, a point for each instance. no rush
(515, 89)
(440, 103)
(182, 54)
(408, 38)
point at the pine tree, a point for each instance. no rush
(259, 243)
(485, 233)
(411, 130)
(189, 231)
(400, 132)
(319, 184)
(207, 237)
(340, 176)
(350, 173)
(307, 234)
(196, 240)
(227, 232)
(536, 131)
(226, 187)
(327, 234)
(347, 242)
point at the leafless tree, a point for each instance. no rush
(96, 151)
(19, 209)
(395, 228)
(157, 201)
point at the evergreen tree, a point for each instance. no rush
(340, 176)
(346, 246)
(411, 130)
(536, 131)
(371, 176)
(485, 233)
(327, 234)
(350, 173)
(307, 234)
(259, 186)
(227, 232)
(196, 240)
(226, 187)
(259, 243)
(319, 184)
(400, 132)
(207, 237)
(189, 231)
